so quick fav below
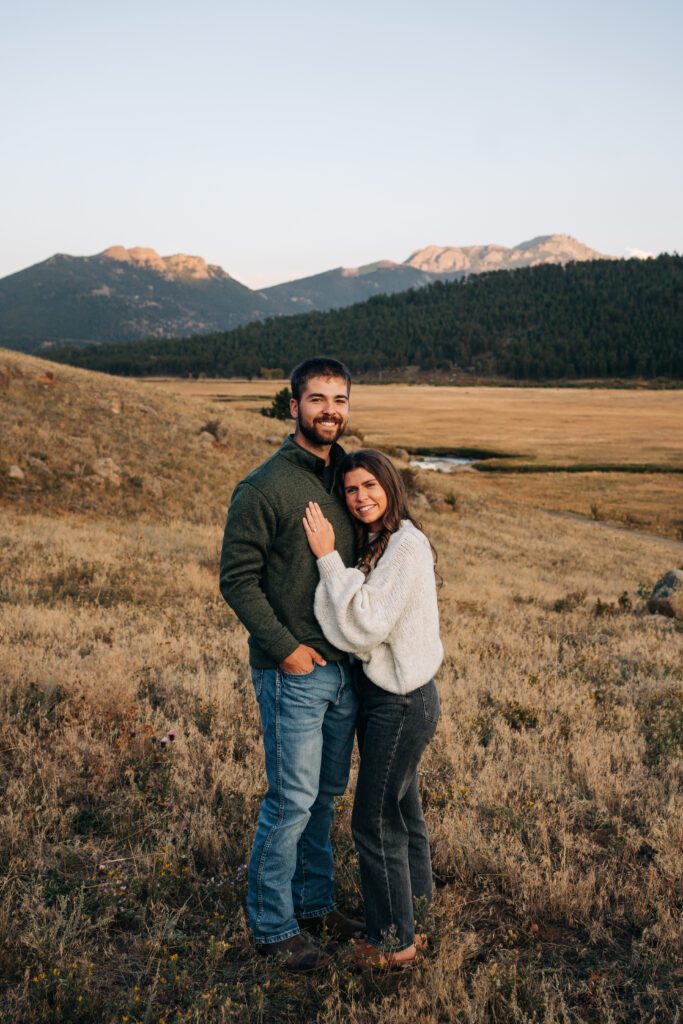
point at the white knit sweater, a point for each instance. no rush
(388, 619)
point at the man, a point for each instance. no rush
(302, 683)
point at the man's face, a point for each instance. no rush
(322, 412)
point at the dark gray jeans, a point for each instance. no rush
(388, 824)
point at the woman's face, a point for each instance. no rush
(366, 499)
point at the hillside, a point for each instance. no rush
(345, 286)
(601, 318)
(131, 764)
(123, 295)
(84, 444)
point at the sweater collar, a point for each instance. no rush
(293, 452)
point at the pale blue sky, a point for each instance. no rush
(280, 139)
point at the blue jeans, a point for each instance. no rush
(308, 731)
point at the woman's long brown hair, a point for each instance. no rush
(382, 468)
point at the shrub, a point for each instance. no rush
(409, 477)
(663, 725)
(519, 716)
(212, 427)
(604, 608)
(86, 583)
(279, 407)
(570, 602)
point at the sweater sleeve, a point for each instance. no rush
(357, 612)
(249, 533)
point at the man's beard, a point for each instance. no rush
(310, 432)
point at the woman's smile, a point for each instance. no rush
(366, 499)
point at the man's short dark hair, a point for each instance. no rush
(319, 366)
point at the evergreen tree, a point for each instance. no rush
(605, 318)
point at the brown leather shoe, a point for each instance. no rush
(336, 925)
(364, 954)
(298, 953)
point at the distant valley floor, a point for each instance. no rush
(543, 426)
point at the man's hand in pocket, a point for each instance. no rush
(301, 661)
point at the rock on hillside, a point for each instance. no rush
(667, 595)
(76, 441)
(476, 259)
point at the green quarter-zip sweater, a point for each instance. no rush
(268, 572)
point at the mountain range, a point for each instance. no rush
(123, 295)
(591, 319)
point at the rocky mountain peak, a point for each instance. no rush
(475, 259)
(177, 267)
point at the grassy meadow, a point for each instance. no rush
(555, 426)
(130, 757)
(542, 427)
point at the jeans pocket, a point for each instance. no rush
(257, 680)
(297, 675)
(430, 701)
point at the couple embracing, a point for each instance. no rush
(335, 583)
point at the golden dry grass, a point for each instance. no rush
(56, 430)
(547, 425)
(554, 426)
(647, 502)
(552, 789)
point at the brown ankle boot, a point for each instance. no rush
(336, 924)
(298, 954)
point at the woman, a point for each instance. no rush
(385, 613)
